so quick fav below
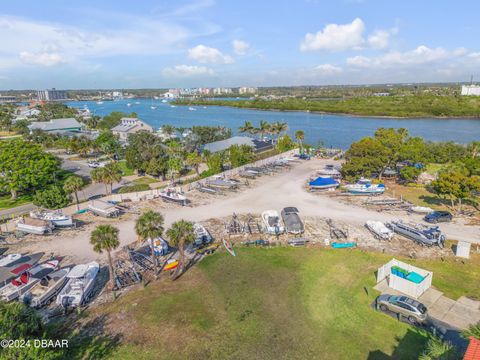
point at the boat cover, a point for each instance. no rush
(323, 181)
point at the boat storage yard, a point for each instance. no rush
(268, 204)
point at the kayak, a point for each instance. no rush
(171, 264)
(336, 245)
(229, 247)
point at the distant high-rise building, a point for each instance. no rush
(51, 95)
(247, 90)
(471, 90)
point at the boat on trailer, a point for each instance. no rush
(330, 171)
(29, 276)
(365, 187)
(57, 218)
(42, 292)
(103, 208)
(323, 183)
(173, 195)
(421, 209)
(379, 230)
(222, 183)
(34, 226)
(17, 267)
(10, 258)
(202, 235)
(160, 246)
(425, 235)
(272, 223)
(292, 221)
(79, 287)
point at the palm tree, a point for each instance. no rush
(246, 128)
(113, 174)
(282, 127)
(275, 130)
(168, 130)
(181, 233)
(264, 128)
(99, 175)
(438, 349)
(105, 238)
(194, 160)
(149, 226)
(72, 185)
(300, 135)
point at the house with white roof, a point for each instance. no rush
(222, 145)
(130, 126)
(65, 124)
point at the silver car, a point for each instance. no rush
(411, 309)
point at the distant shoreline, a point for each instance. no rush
(425, 117)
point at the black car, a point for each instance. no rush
(438, 216)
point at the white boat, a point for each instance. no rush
(173, 195)
(164, 101)
(44, 290)
(160, 246)
(329, 170)
(153, 107)
(379, 230)
(365, 187)
(57, 218)
(34, 226)
(129, 104)
(173, 106)
(202, 236)
(99, 102)
(137, 102)
(421, 209)
(10, 258)
(28, 278)
(272, 222)
(80, 281)
(192, 109)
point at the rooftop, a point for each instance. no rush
(237, 140)
(473, 350)
(56, 124)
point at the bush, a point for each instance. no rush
(133, 188)
(207, 173)
(410, 173)
(53, 197)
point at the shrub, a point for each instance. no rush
(133, 188)
(53, 197)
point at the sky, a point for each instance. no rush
(209, 43)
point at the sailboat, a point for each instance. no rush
(152, 106)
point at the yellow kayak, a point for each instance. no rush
(171, 265)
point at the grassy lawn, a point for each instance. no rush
(145, 180)
(419, 196)
(7, 203)
(126, 170)
(434, 168)
(279, 303)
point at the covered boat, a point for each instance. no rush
(160, 246)
(173, 195)
(202, 236)
(221, 183)
(34, 226)
(17, 267)
(330, 171)
(324, 183)
(292, 221)
(79, 287)
(424, 235)
(27, 277)
(103, 208)
(379, 230)
(272, 223)
(57, 218)
(365, 187)
(421, 209)
(44, 290)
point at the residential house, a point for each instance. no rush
(257, 145)
(66, 124)
(129, 126)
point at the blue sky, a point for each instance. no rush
(133, 44)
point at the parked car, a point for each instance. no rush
(438, 216)
(96, 164)
(409, 308)
(303, 156)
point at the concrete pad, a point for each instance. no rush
(383, 287)
(430, 297)
(462, 316)
(441, 307)
(473, 304)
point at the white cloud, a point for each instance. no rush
(379, 39)
(240, 47)
(186, 71)
(420, 55)
(328, 69)
(208, 55)
(42, 58)
(336, 37)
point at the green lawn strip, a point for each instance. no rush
(125, 169)
(7, 203)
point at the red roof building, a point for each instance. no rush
(473, 350)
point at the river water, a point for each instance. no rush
(332, 130)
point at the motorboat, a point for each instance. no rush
(15, 268)
(192, 109)
(421, 209)
(28, 277)
(425, 235)
(34, 226)
(44, 290)
(202, 236)
(220, 182)
(160, 246)
(292, 221)
(79, 286)
(137, 102)
(173, 106)
(164, 101)
(379, 230)
(103, 208)
(365, 187)
(272, 223)
(99, 102)
(57, 218)
(128, 104)
(323, 183)
(153, 107)
(173, 195)
(330, 171)
(10, 258)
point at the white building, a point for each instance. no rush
(471, 90)
(130, 126)
(247, 90)
(51, 95)
(222, 91)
